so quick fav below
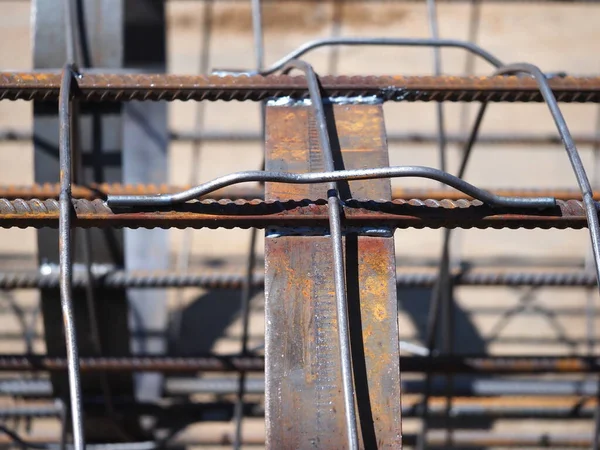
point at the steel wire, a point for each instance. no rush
(394, 42)
(571, 148)
(339, 271)
(120, 201)
(65, 259)
(257, 27)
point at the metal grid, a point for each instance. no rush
(140, 206)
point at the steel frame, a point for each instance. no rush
(136, 208)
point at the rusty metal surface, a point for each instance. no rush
(294, 213)
(126, 87)
(303, 399)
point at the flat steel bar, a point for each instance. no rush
(44, 86)
(118, 279)
(215, 363)
(247, 214)
(94, 191)
(303, 375)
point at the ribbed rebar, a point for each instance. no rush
(126, 87)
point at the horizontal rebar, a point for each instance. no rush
(511, 140)
(573, 407)
(465, 387)
(95, 191)
(224, 363)
(436, 438)
(359, 216)
(118, 279)
(44, 86)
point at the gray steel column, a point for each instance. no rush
(145, 140)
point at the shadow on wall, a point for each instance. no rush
(415, 303)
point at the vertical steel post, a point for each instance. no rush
(304, 402)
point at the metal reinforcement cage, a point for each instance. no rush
(339, 279)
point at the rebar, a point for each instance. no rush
(510, 141)
(66, 262)
(122, 201)
(44, 86)
(112, 278)
(571, 148)
(367, 216)
(337, 243)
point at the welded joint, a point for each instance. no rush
(355, 100)
(276, 232)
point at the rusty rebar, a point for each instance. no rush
(313, 213)
(44, 86)
(94, 191)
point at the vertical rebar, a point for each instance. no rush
(258, 34)
(443, 291)
(336, 27)
(443, 281)
(65, 257)
(474, 22)
(185, 249)
(591, 297)
(335, 226)
(591, 210)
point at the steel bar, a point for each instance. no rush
(246, 294)
(305, 310)
(246, 214)
(366, 41)
(98, 157)
(511, 140)
(339, 274)
(572, 153)
(463, 387)
(125, 87)
(463, 407)
(65, 259)
(124, 201)
(112, 278)
(215, 363)
(101, 191)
